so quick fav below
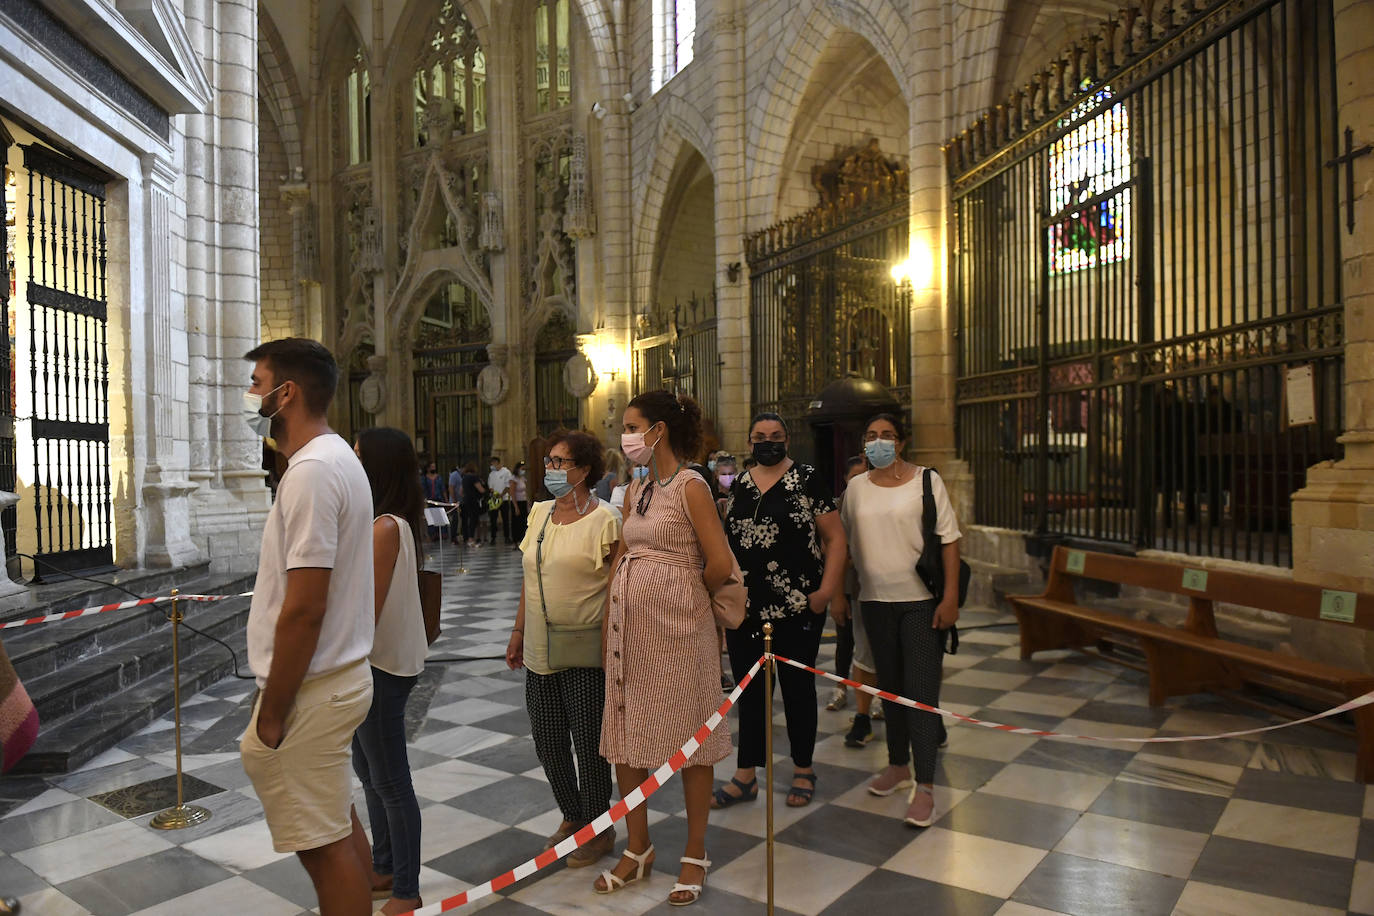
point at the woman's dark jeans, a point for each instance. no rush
(379, 759)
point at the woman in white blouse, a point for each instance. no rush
(398, 657)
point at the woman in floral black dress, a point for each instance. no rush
(787, 536)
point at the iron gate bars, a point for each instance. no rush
(675, 349)
(69, 377)
(1143, 243)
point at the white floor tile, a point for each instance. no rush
(453, 778)
(91, 852)
(1200, 899)
(240, 849)
(1362, 888)
(813, 880)
(1162, 850)
(966, 860)
(235, 895)
(1047, 787)
(1292, 828)
(992, 680)
(444, 829)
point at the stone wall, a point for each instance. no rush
(274, 231)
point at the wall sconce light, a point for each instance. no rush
(733, 271)
(916, 271)
(630, 103)
(598, 110)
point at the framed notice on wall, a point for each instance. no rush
(1300, 396)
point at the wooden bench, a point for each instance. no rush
(1194, 658)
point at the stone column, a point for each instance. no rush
(296, 196)
(732, 297)
(1333, 516)
(166, 434)
(932, 314)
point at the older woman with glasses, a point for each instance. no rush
(907, 627)
(787, 536)
(558, 634)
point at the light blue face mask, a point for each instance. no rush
(556, 482)
(880, 452)
(641, 471)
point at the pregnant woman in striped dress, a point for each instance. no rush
(661, 652)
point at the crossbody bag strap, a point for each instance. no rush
(928, 510)
(539, 567)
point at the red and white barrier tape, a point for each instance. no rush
(1347, 706)
(603, 823)
(121, 606)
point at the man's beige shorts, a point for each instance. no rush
(305, 783)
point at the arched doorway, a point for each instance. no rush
(452, 424)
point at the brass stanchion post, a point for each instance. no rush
(768, 749)
(182, 815)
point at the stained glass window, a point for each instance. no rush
(1091, 166)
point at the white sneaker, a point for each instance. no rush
(838, 700)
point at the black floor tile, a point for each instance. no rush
(510, 757)
(510, 801)
(885, 892)
(960, 772)
(1061, 687)
(287, 879)
(1275, 871)
(856, 835)
(1123, 713)
(1301, 791)
(490, 857)
(1086, 887)
(1010, 820)
(54, 823)
(1160, 806)
(968, 696)
(157, 878)
(1077, 758)
(1012, 666)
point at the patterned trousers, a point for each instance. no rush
(567, 705)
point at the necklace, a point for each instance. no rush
(582, 509)
(661, 481)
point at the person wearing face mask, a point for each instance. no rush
(310, 627)
(662, 658)
(907, 628)
(787, 536)
(433, 485)
(567, 563)
(637, 472)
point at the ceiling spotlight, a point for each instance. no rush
(598, 110)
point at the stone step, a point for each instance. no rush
(45, 648)
(95, 681)
(77, 684)
(67, 743)
(68, 594)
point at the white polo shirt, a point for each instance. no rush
(322, 518)
(498, 480)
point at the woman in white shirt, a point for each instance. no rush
(398, 657)
(907, 627)
(568, 548)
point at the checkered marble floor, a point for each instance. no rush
(1273, 825)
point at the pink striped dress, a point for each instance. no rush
(662, 657)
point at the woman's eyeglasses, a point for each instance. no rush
(559, 464)
(886, 435)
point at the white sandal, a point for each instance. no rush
(643, 865)
(693, 889)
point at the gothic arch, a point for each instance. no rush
(278, 89)
(672, 147)
(788, 75)
(412, 31)
(343, 38)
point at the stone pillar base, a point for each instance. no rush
(1333, 546)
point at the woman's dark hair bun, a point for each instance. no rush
(680, 413)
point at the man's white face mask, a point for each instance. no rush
(260, 424)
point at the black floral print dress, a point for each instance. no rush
(777, 542)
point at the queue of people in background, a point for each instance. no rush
(558, 634)
(907, 628)
(786, 534)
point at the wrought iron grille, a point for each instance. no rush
(675, 349)
(68, 365)
(1144, 242)
(9, 476)
(823, 302)
(554, 405)
(452, 424)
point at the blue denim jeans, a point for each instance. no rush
(379, 759)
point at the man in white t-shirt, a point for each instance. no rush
(498, 484)
(310, 627)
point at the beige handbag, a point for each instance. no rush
(731, 599)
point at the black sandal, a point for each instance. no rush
(803, 793)
(748, 792)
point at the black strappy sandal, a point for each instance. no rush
(748, 792)
(803, 793)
